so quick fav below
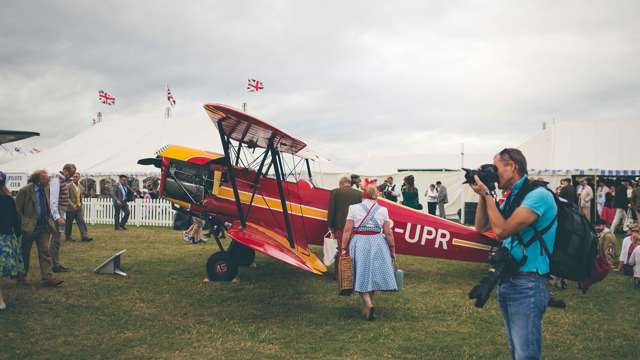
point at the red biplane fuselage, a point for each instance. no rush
(206, 184)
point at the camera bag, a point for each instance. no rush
(575, 251)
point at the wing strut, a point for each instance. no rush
(256, 180)
(232, 173)
(309, 171)
(277, 166)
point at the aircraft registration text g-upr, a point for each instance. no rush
(422, 233)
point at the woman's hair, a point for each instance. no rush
(371, 192)
(410, 181)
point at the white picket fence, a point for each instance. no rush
(143, 212)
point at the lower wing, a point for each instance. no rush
(277, 246)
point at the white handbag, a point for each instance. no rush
(329, 249)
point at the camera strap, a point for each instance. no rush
(537, 236)
(513, 203)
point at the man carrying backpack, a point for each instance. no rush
(522, 295)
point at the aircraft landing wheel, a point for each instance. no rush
(221, 267)
(241, 254)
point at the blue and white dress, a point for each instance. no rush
(372, 264)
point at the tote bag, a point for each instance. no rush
(329, 249)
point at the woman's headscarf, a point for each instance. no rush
(369, 182)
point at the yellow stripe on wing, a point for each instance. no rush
(471, 244)
(273, 204)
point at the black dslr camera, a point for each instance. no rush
(488, 174)
(503, 264)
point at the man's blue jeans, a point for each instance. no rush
(523, 300)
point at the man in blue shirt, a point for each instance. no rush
(523, 296)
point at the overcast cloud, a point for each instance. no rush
(351, 78)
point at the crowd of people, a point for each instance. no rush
(613, 207)
(42, 212)
(436, 195)
(614, 203)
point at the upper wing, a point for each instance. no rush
(187, 154)
(251, 131)
(275, 245)
(7, 136)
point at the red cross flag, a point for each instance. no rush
(255, 85)
(106, 98)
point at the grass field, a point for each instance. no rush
(164, 310)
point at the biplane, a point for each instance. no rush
(274, 208)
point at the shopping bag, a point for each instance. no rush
(329, 249)
(345, 279)
(399, 274)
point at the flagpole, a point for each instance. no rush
(462, 197)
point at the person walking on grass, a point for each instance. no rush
(36, 221)
(340, 199)
(58, 204)
(75, 211)
(621, 203)
(11, 262)
(121, 194)
(370, 243)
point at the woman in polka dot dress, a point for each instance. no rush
(371, 247)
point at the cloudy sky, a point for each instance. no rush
(355, 79)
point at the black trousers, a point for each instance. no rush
(431, 207)
(118, 223)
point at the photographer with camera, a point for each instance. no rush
(525, 225)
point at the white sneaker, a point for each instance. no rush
(3, 306)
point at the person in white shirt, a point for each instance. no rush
(58, 204)
(356, 182)
(624, 252)
(634, 257)
(369, 240)
(432, 199)
(389, 190)
(601, 196)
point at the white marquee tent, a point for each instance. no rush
(113, 147)
(585, 148)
